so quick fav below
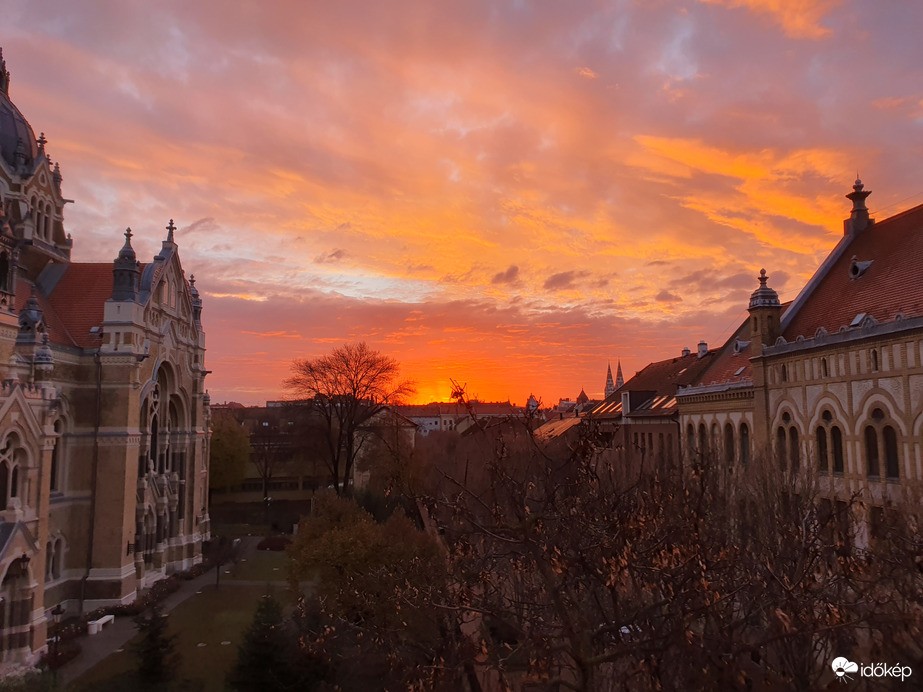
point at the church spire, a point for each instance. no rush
(610, 385)
(619, 380)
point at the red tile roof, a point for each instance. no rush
(891, 285)
(727, 366)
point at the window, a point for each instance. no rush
(823, 367)
(780, 447)
(821, 435)
(729, 444)
(874, 360)
(837, 449)
(690, 439)
(881, 444)
(794, 453)
(744, 444)
(703, 438)
(891, 463)
(871, 452)
(784, 374)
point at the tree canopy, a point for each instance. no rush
(230, 453)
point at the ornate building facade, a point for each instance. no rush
(103, 412)
(831, 383)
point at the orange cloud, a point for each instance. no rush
(798, 18)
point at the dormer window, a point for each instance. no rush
(857, 268)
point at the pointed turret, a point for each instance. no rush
(619, 380)
(126, 272)
(196, 301)
(31, 321)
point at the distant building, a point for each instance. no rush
(440, 416)
(103, 412)
(289, 449)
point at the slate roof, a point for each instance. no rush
(892, 283)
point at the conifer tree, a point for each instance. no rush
(156, 651)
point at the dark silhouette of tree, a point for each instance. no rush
(155, 650)
(347, 389)
(269, 659)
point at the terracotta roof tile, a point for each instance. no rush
(889, 286)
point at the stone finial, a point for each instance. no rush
(170, 229)
(41, 141)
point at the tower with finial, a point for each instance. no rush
(126, 272)
(859, 215)
(619, 380)
(765, 315)
(610, 385)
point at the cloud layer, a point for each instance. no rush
(505, 193)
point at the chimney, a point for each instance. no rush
(685, 352)
(859, 215)
(703, 349)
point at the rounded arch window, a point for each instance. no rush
(882, 447)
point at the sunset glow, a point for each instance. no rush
(510, 194)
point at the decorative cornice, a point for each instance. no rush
(867, 330)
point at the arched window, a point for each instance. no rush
(882, 448)
(744, 444)
(58, 558)
(871, 452)
(690, 439)
(4, 483)
(794, 450)
(874, 360)
(784, 373)
(715, 439)
(837, 449)
(821, 434)
(780, 447)
(703, 438)
(823, 367)
(4, 272)
(14, 482)
(892, 466)
(729, 444)
(49, 559)
(56, 458)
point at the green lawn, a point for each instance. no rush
(211, 617)
(264, 565)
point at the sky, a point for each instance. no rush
(512, 194)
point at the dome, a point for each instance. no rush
(763, 296)
(13, 126)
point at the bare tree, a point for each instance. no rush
(347, 388)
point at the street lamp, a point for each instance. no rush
(56, 613)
